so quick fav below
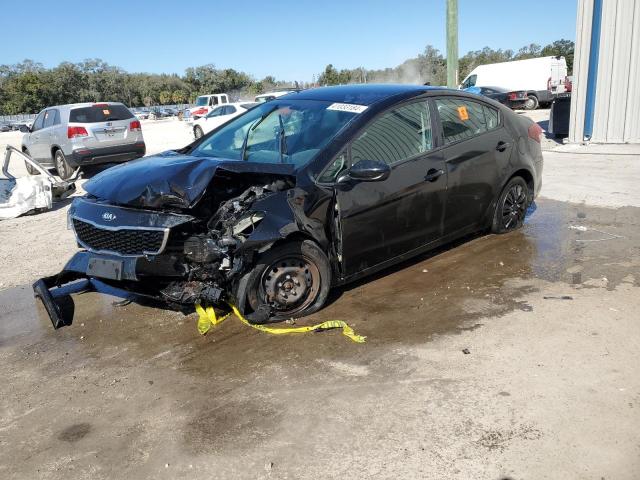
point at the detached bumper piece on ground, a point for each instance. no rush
(29, 193)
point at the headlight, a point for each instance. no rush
(247, 222)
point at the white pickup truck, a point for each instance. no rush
(206, 103)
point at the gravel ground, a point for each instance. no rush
(501, 357)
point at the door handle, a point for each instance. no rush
(433, 175)
(502, 146)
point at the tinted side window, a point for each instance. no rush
(395, 136)
(230, 110)
(491, 117)
(460, 119)
(37, 125)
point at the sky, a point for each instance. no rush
(291, 40)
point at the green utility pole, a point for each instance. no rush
(452, 43)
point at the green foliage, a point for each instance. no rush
(28, 87)
(431, 67)
(165, 97)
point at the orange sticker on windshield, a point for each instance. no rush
(462, 113)
(106, 112)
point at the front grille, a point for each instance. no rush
(124, 241)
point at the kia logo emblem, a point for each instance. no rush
(108, 216)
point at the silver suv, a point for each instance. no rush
(66, 137)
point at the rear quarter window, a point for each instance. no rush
(99, 113)
(462, 119)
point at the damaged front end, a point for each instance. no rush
(181, 241)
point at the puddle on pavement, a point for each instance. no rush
(444, 291)
(111, 354)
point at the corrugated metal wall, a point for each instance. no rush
(617, 103)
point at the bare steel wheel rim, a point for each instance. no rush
(290, 284)
(514, 207)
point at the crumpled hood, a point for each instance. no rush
(169, 179)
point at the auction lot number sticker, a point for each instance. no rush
(347, 107)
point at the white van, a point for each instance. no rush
(540, 77)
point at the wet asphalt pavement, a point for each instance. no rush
(135, 392)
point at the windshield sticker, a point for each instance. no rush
(463, 114)
(347, 107)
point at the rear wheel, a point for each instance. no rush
(511, 207)
(290, 280)
(62, 166)
(531, 103)
(197, 131)
(30, 170)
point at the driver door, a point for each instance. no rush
(382, 220)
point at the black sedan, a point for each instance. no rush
(311, 190)
(514, 99)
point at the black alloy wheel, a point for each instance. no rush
(511, 208)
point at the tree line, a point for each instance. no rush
(28, 87)
(431, 66)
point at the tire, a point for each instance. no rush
(30, 169)
(511, 207)
(197, 132)
(291, 280)
(65, 171)
(531, 103)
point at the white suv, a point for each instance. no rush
(66, 137)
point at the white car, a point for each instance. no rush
(219, 115)
(266, 97)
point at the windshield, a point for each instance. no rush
(292, 132)
(202, 101)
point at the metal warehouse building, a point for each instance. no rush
(605, 104)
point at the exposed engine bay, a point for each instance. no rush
(170, 242)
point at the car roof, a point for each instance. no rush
(361, 94)
(81, 105)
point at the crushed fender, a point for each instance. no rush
(207, 318)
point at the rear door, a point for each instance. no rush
(107, 125)
(385, 219)
(34, 145)
(476, 150)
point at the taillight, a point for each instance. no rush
(135, 126)
(513, 96)
(73, 132)
(534, 132)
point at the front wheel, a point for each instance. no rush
(511, 207)
(197, 131)
(62, 166)
(290, 280)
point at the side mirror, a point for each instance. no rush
(367, 171)
(24, 129)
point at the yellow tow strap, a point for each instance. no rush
(208, 318)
